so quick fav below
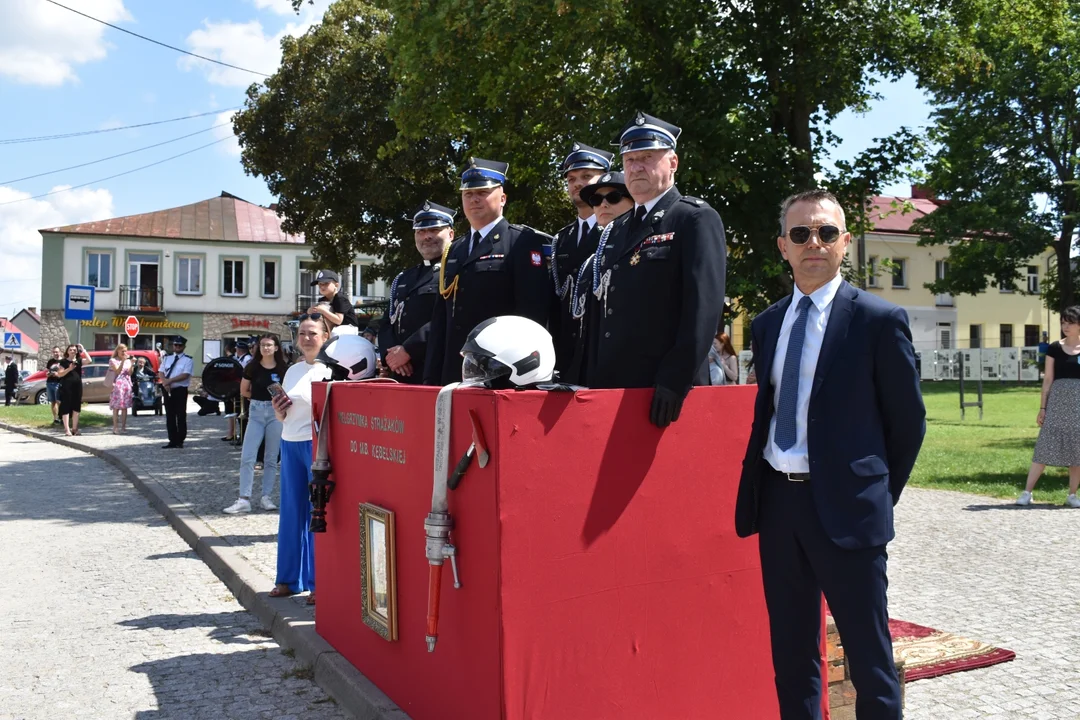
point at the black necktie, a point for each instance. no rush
(641, 213)
(475, 242)
(583, 233)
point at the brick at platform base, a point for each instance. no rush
(841, 691)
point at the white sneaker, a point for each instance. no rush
(268, 504)
(1024, 499)
(1072, 501)
(240, 506)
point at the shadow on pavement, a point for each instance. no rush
(232, 628)
(204, 685)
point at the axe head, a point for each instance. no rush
(482, 454)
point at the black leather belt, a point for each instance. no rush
(793, 477)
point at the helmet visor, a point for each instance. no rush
(480, 369)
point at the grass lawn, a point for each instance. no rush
(39, 417)
(989, 456)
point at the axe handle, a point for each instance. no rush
(462, 466)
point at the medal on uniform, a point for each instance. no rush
(635, 258)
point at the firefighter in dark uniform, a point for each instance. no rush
(403, 332)
(656, 283)
(570, 248)
(496, 269)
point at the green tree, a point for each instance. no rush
(754, 85)
(1007, 127)
(318, 131)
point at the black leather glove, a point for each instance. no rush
(666, 406)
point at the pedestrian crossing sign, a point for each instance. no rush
(12, 341)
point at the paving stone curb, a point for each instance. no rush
(333, 673)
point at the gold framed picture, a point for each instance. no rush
(378, 570)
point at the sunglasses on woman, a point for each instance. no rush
(310, 316)
(827, 234)
(613, 197)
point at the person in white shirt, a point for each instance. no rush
(296, 544)
(175, 378)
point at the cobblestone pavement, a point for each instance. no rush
(108, 614)
(205, 476)
(1006, 575)
(966, 564)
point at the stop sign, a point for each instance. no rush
(131, 326)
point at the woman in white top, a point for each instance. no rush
(296, 544)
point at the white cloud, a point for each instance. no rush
(281, 7)
(20, 242)
(245, 45)
(40, 43)
(229, 147)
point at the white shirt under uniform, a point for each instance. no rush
(180, 364)
(796, 458)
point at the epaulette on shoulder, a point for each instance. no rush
(526, 228)
(696, 202)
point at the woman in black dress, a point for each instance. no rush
(1059, 412)
(70, 374)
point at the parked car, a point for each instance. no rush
(94, 390)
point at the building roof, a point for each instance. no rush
(29, 345)
(225, 218)
(31, 312)
(891, 214)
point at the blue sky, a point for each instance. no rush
(62, 73)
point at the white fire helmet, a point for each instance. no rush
(349, 357)
(508, 351)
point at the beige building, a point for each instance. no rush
(213, 271)
(997, 318)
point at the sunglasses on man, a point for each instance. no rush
(827, 234)
(613, 197)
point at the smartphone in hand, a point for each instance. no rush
(276, 391)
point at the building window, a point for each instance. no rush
(1006, 336)
(1031, 335)
(99, 270)
(871, 272)
(1005, 285)
(270, 278)
(189, 275)
(232, 277)
(975, 336)
(899, 278)
(1033, 279)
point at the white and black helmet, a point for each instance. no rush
(508, 351)
(349, 357)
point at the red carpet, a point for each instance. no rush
(928, 653)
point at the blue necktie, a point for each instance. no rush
(789, 381)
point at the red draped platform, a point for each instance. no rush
(601, 575)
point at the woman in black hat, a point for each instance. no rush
(609, 198)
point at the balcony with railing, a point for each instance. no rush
(943, 300)
(141, 299)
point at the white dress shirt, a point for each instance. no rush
(483, 232)
(651, 203)
(796, 458)
(181, 364)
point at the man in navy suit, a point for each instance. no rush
(838, 423)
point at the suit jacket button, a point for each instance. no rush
(607, 334)
(615, 266)
(610, 312)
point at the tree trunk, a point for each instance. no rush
(1063, 248)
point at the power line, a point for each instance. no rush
(112, 157)
(39, 138)
(126, 172)
(156, 42)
